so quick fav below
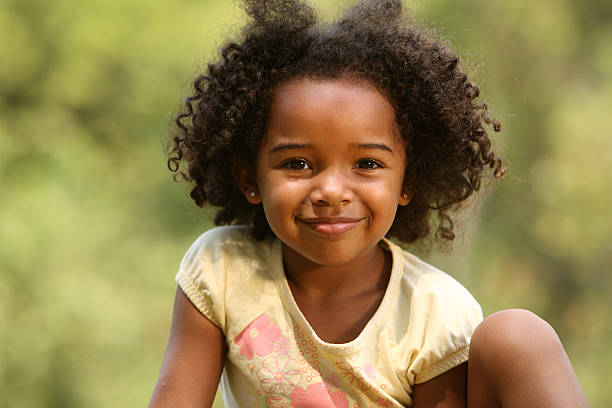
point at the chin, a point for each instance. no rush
(330, 255)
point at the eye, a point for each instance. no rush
(296, 164)
(368, 164)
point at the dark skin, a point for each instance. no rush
(499, 350)
(332, 159)
(353, 301)
(330, 179)
(193, 362)
(448, 390)
(194, 358)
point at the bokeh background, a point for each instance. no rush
(92, 227)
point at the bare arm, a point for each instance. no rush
(193, 361)
(448, 390)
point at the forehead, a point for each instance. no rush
(306, 106)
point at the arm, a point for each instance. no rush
(193, 361)
(448, 390)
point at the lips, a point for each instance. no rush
(332, 226)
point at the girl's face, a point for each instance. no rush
(330, 169)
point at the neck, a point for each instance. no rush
(368, 272)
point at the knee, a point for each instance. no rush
(513, 335)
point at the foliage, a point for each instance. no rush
(92, 228)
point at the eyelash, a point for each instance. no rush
(289, 164)
(376, 165)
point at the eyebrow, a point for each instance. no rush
(288, 146)
(292, 146)
(376, 146)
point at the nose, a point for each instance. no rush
(331, 188)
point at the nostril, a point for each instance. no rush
(329, 203)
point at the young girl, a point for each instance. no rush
(322, 142)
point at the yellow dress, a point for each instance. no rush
(421, 329)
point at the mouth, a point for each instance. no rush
(332, 226)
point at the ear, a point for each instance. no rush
(244, 174)
(405, 196)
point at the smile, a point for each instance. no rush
(332, 226)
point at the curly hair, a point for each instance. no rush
(444, 128)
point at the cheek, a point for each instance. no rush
(390, 188)
(281, 195)
(388, 206)
(384, 199)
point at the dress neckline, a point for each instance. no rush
(375, 321)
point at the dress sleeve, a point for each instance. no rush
(446, 314)
(201, 276)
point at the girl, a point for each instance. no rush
(322, 142)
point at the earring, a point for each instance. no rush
(252, 194)
(405, 195)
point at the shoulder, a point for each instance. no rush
(225, 266)
(220, 238)
(226, 244)
(424, 283)
(434, 318)
(229, 255)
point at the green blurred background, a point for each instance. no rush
(92, 228)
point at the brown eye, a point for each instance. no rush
(368, 164)
(296, 164)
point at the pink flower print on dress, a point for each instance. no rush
(332, 380)
(352, 374)
(278, 375)
(277, 401)
(258, 337)
(369, 371)
(281, 346)
(383, 403)
(317, 396)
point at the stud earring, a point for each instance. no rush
(405, 195)
(252, 194)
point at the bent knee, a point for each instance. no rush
(516, 334)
